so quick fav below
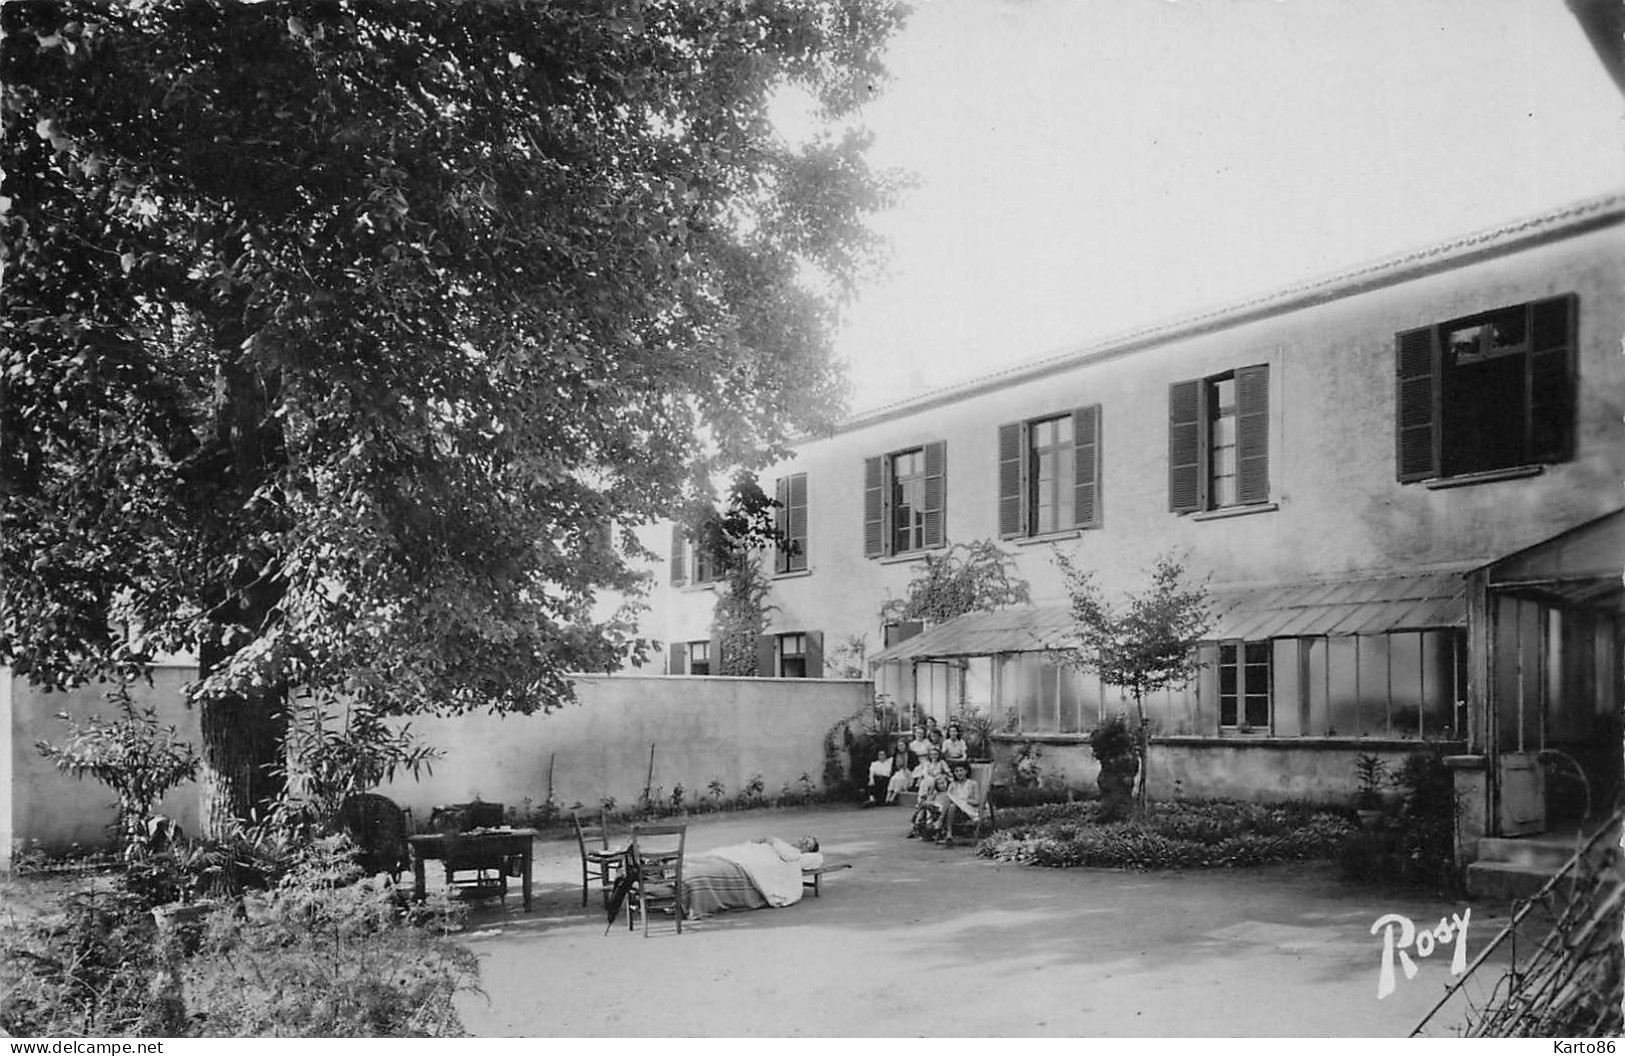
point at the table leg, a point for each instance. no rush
(418, 884)
(525, 878)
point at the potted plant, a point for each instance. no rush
(1113, 744)
(1371, 773)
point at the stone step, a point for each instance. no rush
(1494, 881)
(1541, 853)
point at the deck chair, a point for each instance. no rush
(982, 774)
(599, 861)
(655, 862)
(377, 826)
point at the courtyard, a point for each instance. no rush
(920, 940)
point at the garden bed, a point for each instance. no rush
(1178, 835)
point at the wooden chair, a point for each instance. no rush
(599, 860)
(656, 864)
(377, 826)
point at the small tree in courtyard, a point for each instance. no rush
(1143, 646)
(733, 539)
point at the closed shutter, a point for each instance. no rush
(935, 513)
(1012, 510)
(781, 526)
(815, 654)
(798, 522)
(677, 546)
(874, 507)
(1416, 364)
(1185, 446)
(766, 656)
(674, 659)
(1551, 380)
(1253, 434)
(1086, 467)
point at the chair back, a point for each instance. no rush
(377, 826)
(658, 848)
(589, 837)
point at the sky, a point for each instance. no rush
(1089, 167)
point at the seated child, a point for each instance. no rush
(928, 815)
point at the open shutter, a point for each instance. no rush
(1253, 434)
(1551, 380)
(1416, 401)
(874, 507)
(766, 656)
(1185, 446)
(1012, 510)
(674, 659)
(781, 526)
(1086, 466)
(934, 516)
(798, 522)
(815, 654)
(677, 547)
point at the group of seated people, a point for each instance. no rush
(934, 765)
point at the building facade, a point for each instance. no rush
(1402, 485)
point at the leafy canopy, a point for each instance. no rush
(335, 334)
(1146, 644)
(967, 577)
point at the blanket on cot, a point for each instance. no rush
(713, 885)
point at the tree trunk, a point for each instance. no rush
(243, 737)
(1142, 744)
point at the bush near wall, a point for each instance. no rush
(1178, 835)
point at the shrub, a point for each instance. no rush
(1168, 836)
(1417, 846)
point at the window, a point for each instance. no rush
(791, 521)
(1218, 441)
(1244, 685)
(1049, 474)
(687, 554)
(1486, 392)
(792, 656)
(904, 500)
(1047, 697)
(699, 658)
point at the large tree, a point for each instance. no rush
(336, 333)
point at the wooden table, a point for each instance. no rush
(489, 843)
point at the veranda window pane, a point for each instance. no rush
(1373, 649)
(1344, 710)
(1405, 680)
(1314, 668)
(1438, 686)
(1288, 691)
(1070, 700)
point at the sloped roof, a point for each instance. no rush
(1335, 608)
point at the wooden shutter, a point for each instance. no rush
(936, 494)
(1551, 380)
(677, 546)
(766, 656)
(1253, 434)
(1416, 402)
(1185, 446)
(874, 507)
(798, 521)
(674, 659)
(781, 526)
(1086, 466)
(815, 653)
(1012, 464)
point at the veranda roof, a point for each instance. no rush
(1335, 608)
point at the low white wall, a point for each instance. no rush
(702, 729)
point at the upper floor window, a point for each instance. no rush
(688, 556)
(791, 521)
(1049, 474)
(1218, 441)
(1486, 392)
(904, 500)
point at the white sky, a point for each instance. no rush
(1087, 167)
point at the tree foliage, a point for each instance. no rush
(966, 577)
(336, 333)
(1143, 646)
